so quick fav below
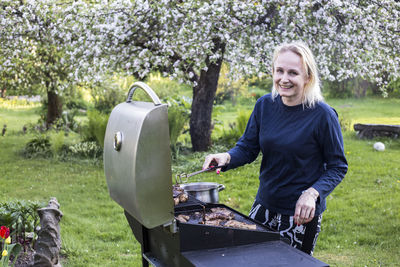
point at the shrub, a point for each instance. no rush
(57, 141)
(87, 149)
(236, 129)
(95, 129)
(76, 103)
(38, 146)
(163, 87)
(178, 116)
(107, 95)
(393, 88)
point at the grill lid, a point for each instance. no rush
(137, 159)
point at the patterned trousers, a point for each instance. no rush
(303, 237)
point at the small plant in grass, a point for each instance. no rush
(39, 146)
(345, 121)
(86, 149)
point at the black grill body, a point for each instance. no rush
(195, 244)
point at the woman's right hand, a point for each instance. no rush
(220, 159)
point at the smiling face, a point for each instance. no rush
(290, 77)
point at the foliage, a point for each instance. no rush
(21, 216)
(162, 35)
(107, 95)
(86, 149)
(55, 44)
(236, 129)
(95, 129)
(355, 87)
(229, 88)
(188, 40)
(344, 121)
(74, 99)
(39, 146)
(57, 142)
(259, 86)
(178, 116)
(393, 88)
(165, 87)
(37, 53)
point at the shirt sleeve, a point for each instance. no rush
(248, 147)
(331, 142)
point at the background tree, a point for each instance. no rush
(44, 42)
(36, 49)
(189, 40)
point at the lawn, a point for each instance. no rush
(359, 227)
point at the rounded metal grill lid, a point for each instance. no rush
(137, 160)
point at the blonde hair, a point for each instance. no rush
(312, 90)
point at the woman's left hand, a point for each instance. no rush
(305, 206)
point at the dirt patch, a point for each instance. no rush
(25, 258)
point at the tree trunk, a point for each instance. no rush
(54, 107)
(202, 105)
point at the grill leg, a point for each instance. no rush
(141, 234)
(145, 246)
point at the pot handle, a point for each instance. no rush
(147, 89)
(221, 187)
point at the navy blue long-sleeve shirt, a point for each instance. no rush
(301, 147)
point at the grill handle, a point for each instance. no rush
(147, 89)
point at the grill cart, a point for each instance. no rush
(137, 165)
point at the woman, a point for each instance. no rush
(300, 138)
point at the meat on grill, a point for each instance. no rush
(183, 218)
(217, 217)
(179, 195)
(242, 225)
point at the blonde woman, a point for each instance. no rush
(302, 149)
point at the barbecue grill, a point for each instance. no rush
(137, 165)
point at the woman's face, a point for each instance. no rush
(289, 77)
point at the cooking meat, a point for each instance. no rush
(177, 190)
(224, 211)
(179, 194)
(242, 225)
(216, 222)
(217, 216)
(183, 218)
(183, 197)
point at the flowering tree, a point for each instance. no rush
(36, 38)
(189, 40)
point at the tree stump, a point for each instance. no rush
(48, 244)
(377, 130)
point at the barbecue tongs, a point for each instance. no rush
(183, 177)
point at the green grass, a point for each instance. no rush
(359, 228)
(15, 119)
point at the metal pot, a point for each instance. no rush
(204, 191)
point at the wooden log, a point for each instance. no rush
(377, 130)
